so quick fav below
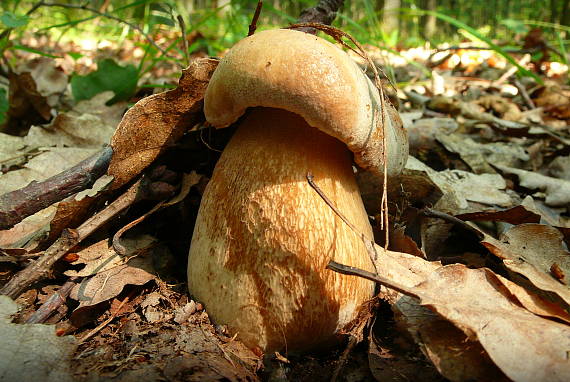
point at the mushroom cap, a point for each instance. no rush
(309, 76)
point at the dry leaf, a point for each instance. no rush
(108, 284)
(453, 354)
(50, 162)
(101, 256)
(479, 156)
(505, 108)
(531, 249)
(524, 346)
(68, 130)
(156, 122)
(32, 352)
(557, 190)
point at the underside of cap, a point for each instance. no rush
(309, 76)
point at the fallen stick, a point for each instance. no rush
(40, 268)
(19, 204)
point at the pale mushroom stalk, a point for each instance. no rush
(263, 236)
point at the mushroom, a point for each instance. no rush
(263, 236)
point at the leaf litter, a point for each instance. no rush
(481, 152)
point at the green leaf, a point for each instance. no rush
(3, 105)
(75, 55)
(12, 20)
(32, 50)
(516, 26)
(157, 19)
(122, 80)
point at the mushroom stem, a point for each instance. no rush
(263, 237)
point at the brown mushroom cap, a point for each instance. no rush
(309, 76)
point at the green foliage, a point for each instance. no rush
(516, 26)
(12, 20)
(122, 80)
(3, 105)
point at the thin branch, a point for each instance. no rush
(184, 38)
(253, 25)
(526, 98)
(368, 243)
(111, 17)
(323, 13)
(70, 238)
(52, 303)
(19, 204)
(428, 212)
(348, 270)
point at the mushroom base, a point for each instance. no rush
(263, 236)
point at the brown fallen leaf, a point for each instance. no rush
(108, 284)
(101, 256)
(480, 156)
(158, 121)
(524, 346)
(36, 87)
(530, 250)
(507, 109)
(455, 356)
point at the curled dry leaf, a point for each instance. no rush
(101, 256)
(158, 121)
(36, 86)
(455, 356)
(111, 272)
(531, 250)
(524, 346)
(108, 284)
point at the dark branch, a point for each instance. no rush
(19, 204)
(323, 13)
(253, 25)
(348, 270)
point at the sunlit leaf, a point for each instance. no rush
(122, 80)
(12, 20)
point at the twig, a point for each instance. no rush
(111, 17)
(120, 248)
(52, 303)
(451, 219)
(107, 321)
(323, 13)
(69, 238)
(19, 204)
(368, 243)
(253, 25)
(348, 270)
(523, 61)
(184, 38)
(524, 94)
(329, 202)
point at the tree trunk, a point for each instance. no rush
(553, 11)
(390, 16)
(565, 14)
(430, 20)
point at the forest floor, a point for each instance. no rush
(490, 154)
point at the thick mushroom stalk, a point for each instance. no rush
(263, 236)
